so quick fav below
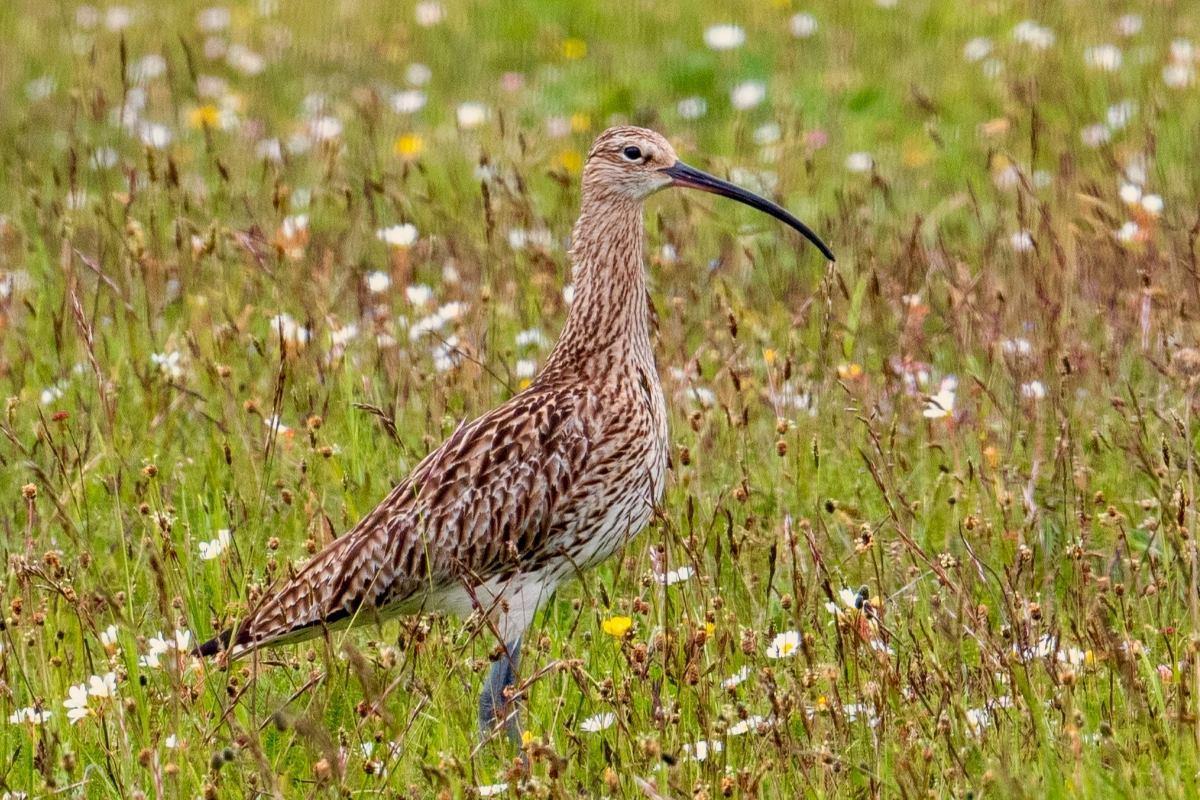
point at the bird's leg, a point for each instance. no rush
(494, 705)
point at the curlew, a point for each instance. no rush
(544, 486)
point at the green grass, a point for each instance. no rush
(1018, 519)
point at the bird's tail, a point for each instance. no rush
(330, 591)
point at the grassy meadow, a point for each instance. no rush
(930, 527)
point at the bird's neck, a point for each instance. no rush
(608, 325)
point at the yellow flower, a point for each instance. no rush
(822, 703)
(769, 356)
(581, 122)
(526, 738)
(408, 146)
(574, 49)
(709, 629)
(524, 384)
(569, 161)
(205, 116)
(617, 627)
(850, 371)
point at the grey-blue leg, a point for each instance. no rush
(492, 704)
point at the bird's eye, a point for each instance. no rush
(632, 153)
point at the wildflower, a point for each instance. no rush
(525, 368)
(1104, 57)
(1034, 390)
(1128, 24)
(171, 742)
(724, 37)
(1016, 347)
(409, 101)
(408, 146)
(378, 282)
(977, 49)
(324, 128)
(803, 25)
(429, 13)
(1129, 232)
(675, 576)
(617, 627)
(1095, 135)
(692, 107)
(1121, 114)
(290, 330)
(155, 136)
(736, 678)
(569, 161)
(471, 115)
(747, 95)
(568, 293)
(213, 19)
(784, 645)
(941, 404)
(1037, 37)
(849, 600)
(700, 750)
(1152, 204)
(532, 337)
(103, 685)
(205, 116)
(418, 294)
(598, 722)
(215, 547)
(108, 638)
(31, 715)
(245, 60)
(1178, 76)
(147, 68)
(492, 789)
(574, 48)
(859, 162)
(77, 703)
(702, 396)
(751, 723)
(169, 364)
(404, 235)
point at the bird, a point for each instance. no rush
(539, 489)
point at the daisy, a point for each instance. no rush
(598, 722)
(736, 678)
(784, 645)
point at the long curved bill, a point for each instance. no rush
(683, 175)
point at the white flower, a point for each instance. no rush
(213, 19)
(169, 364)
(324, 128)
(692, 107)
(769, 133)
(183, 638)
(1128, 24)
(471, 115)
(699, 751)
(747, 95)
(408, 101)
(1152, 204)
(289, 329)
(50, 394)
(751, 723)
(171, 742)
(568, 293)
(1128, 232)
(848, 598)
(803, 25)
(1130, 193)
(404, 235)
(378, 282)
(103, 685)
(34, 716)
(784, 645)
(1121, 114)
(40, 88)
(736, 678)
(1095, 135)
(269, 150)
(977, 720)
(702, 396)
(1178, 76)
(418, 74)
(429, 13)
(1042, 648)
(77, 702)
(977, 49)
(598, 722)
(860, 162)
(215, 547)
(108, 637)
(492, 789)
(675, 576)
(245, 60)
(452, 311)
(525, 368)
(1182, 50)
(1021, 241)
(155, 135)
(147, 68)
(118, 18)
(941, 404)
(1036, 36)
(1104, 57)
(724, 37)
(418, 294)
(532, 337)
(1016, 347)
(1034, 390)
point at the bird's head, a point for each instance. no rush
(634, 163)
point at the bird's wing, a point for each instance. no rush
(487, 498)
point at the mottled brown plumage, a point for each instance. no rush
(547, 484)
